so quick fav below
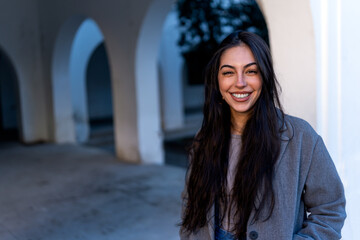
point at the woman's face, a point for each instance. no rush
(239, 79)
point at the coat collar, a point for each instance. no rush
(287, 129)
(286, 134)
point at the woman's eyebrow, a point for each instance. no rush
(250, 64)
(229, 66)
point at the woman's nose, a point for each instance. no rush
(241, 81)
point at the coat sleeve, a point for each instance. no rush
(324, 198)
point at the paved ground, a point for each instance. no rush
(66, 192)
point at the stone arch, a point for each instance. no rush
(10, 112)
(170, 64)
(147, 84)
(86, 41)
(77, 39)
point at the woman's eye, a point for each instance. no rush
(227, 73)
(251, 72)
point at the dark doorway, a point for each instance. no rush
(99, 100)
(9, 104)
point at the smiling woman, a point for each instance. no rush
(255, 172)
(239, 83)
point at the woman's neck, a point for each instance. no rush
(238, 122)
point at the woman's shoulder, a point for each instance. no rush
(298, 123)
(299, 127)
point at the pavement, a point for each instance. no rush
(68, 192)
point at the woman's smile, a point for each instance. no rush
(240, 96)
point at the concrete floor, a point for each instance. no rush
(66, 192)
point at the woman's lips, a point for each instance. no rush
(240, 96)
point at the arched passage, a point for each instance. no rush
(9, 101)
(77, 40)
(99, 86)
(171, 77)
(99, 99)
(147, 82)
(87, 39)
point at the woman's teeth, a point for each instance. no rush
(240, 95)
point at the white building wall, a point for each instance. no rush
(292, 43)
(350, 112)
(338, 104)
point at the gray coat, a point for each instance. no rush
(309, 195)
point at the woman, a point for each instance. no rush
(256, 173)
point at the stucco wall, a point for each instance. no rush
(292, 45)
(338, 104)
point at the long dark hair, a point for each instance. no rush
(209, 152)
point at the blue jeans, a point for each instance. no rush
(221, 234)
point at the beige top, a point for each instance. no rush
(234, 153)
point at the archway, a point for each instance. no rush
(9, 101)
(179, 125)
(88, 38)
(147, 83)
(99, 100)
(77, 40)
